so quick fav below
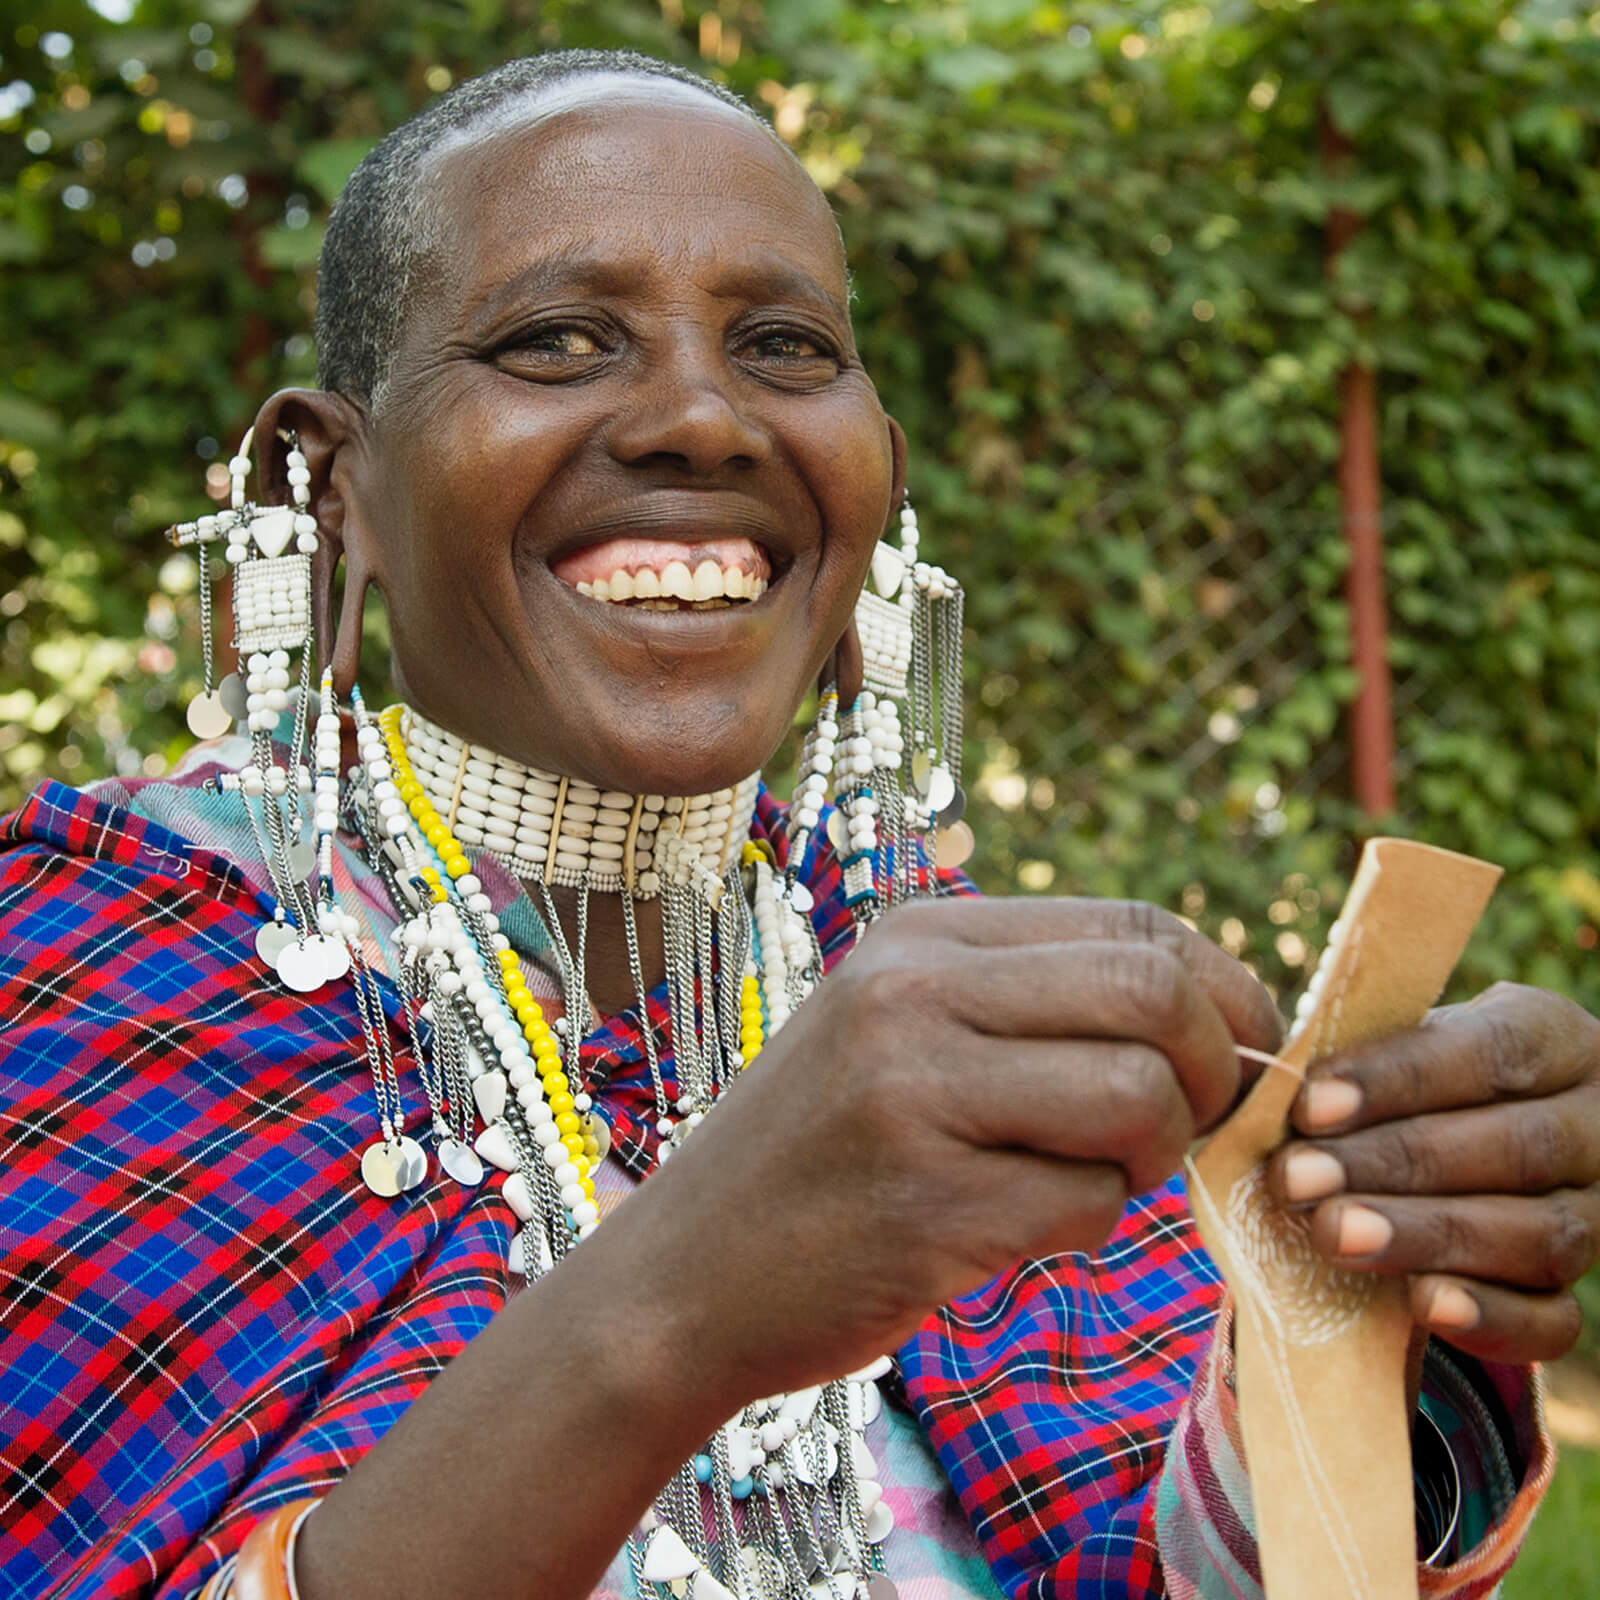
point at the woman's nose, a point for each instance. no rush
(688, 413)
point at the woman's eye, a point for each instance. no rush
(790, 347)
(557, 342)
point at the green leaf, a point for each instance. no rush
(327, 165)
(970, 67)
(25, 421)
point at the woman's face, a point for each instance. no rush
(632, 356)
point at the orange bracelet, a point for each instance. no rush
(262, 1570)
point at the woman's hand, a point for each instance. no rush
(980, 1080)
(1466, 1153)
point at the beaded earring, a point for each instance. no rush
(899, 800)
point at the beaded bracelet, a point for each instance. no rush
(264, 1567)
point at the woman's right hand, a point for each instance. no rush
(980, 1080)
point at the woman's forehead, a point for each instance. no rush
(640, 172)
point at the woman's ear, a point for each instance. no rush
(844, 666)
(899, 454)
(332, 433)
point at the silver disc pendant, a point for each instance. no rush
(461, 1162)
(272, 940)
(413, 1163)
(880, 1588)
(955, 811)
(334, 955)
(380, 1171)
(300, 966)
(207, 716)
(302, 858)
(941, 789)
(800, 897)
(955, 845)
(232, 691)
(921, 771)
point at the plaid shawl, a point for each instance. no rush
(204, 1314)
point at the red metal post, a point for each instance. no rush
(1361, 501)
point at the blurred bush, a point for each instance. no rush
(1091, 274)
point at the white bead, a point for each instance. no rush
(585, 1212)
(515, 1190)
(495, 1146)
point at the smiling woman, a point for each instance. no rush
(593, 422)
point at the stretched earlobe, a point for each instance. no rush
(843, 669)
(340, 647)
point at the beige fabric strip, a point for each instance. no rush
(1321, 1353)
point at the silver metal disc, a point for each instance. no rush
(232, 691)
(921, 772)
(272, 940)
(955, 846)
(300, 966)
(941, 789)
(334, 955)
(461, 1162)
(880, 1588)
(800, 897)
(955, 811)
(302, 858)
(413, 1163)
(208, 717)
(379, 1170)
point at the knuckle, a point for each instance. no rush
(1150, 924)
(1148, 1102)
(1160, 988)
(1569, 1246)
(1542, 1153)
(1510, 1066)
(1407, 1160)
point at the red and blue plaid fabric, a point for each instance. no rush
(204, 1314)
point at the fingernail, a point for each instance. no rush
(1363, 1232)
(1452, 1307)
(1329, 1101)
(1312, 1174)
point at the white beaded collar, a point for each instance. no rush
(559, 830)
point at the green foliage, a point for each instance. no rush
(1090, 257)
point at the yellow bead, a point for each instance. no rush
(573, 1143)
(591, 1149)
(561, 1101)
(457, 866)
(568, 1122)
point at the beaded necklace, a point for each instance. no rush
(796, 1511)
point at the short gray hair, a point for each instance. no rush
(378, 231)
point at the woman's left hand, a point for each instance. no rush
(1466, 1153)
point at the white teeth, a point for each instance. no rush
(704, 588)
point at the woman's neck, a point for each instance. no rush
(564, 838)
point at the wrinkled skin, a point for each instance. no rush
(638, 324)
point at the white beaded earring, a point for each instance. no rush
(910, 804)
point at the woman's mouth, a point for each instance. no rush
(668, 574)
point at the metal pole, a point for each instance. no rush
(1361, 502)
